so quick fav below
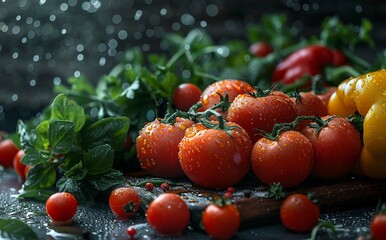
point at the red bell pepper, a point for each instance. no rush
(309, 60)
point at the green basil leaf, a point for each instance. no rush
(99, 160)
(169, 83)
(81, 84)
(42, 133)
(110, 131)
(40, 176)
(16, 229)
(129, 92)
(34, 157)
(73, 186)
(39, 195)
(71, 159)
(64, 108)
(77, 172)
(26, 136)
(107, 180)
(61, 135)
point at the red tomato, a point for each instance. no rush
(221, 222)
(168, 214)
(186, 95)
(209, 96)
(261, 113)
(378, 226)
(124, 202)
(298, 213)
(308, 104)
(157, 147)
(18, 166)
(260, 49)
(326, 95)
(287, 160)
(8, 151)
(337, 148)
(61, 207)
(213, 158)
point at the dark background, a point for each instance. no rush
(43, 42)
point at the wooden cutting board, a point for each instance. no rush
(331, 196)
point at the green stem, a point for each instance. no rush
(357, 60)
(206, 76)
(175, 57)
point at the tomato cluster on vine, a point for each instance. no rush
(236, 128)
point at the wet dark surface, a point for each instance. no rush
(98, 222)
(42, 43)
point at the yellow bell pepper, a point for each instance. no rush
(366, 94)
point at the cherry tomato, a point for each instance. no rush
(308, 104)
(213, 158)
(221, 222)
(287, 160)
(337, 148)
(261, 113)
(8, 151)
(168, 214)
(260, 49)
(157, 147)
(325, 96)
(165, 186)
(210, 97)
(298, 213)
(149, 186)
(378, 226)
(131, 231)
(61, 207)
(124, 202)
(186, 95)
(18, 166)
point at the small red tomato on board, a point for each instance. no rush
(298, 213)
(214, 158)
(168, 214)
(157, 147)
(231, 87)
(186, 95)
(287, 160)
(131, 231)
(18, 166)
(255, 113)
(337, 147)
(8, 151)
(61, 207)
(124, 202)
(378, 226)
(221, 222)
(149, 186)
(260, 49)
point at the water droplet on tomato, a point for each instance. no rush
(237, 158)
(143, 150)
